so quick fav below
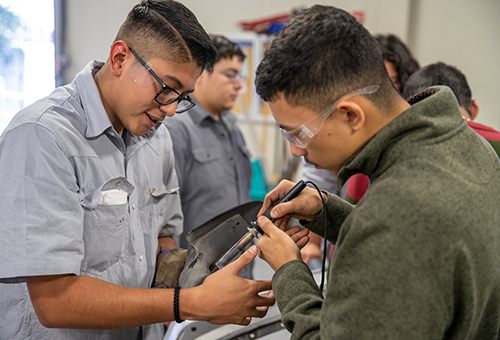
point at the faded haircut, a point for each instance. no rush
(168, 30)
(320, 55)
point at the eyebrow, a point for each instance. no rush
(230, 69)
(178, 83)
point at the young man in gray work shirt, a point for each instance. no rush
(211, 159)
(88, 193)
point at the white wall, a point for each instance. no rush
(466, 34)
(92, 24)
(91, 27)
(224, 15)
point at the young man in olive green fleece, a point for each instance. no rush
(418, 257)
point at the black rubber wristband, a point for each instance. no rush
(176, 305)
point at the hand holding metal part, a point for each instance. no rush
(276, 248)
(254, 230)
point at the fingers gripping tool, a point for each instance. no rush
(254, 229)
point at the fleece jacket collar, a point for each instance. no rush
(434, 114)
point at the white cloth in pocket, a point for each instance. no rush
(113, 197)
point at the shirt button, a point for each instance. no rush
(117, 183)
(122, 219)
(140, 258)
(133, 206)
(161, 211)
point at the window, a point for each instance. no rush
(27, 67)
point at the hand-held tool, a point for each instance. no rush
(254, 230)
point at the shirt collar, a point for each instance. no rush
(97, 117)
(199, 115)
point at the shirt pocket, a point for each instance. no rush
(105, 229)
(162, 205)
(203, 155)
(208, 170)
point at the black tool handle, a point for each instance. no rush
(290, 195)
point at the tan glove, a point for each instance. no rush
(169, 265)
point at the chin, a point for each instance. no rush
(139, 132)
(230, 104)
(228, 107)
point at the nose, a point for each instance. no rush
(296, 151)
(238, 84)
(168, 110)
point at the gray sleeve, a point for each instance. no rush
(41, 222)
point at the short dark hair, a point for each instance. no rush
(396, 52)
(167, 29)
(440, 74)
(226, 49)
(320, 55)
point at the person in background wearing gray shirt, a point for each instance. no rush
(211, 159)
(88, 194)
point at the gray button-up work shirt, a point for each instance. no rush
(75, 199)
(212, 163)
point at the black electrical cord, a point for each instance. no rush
(323, 263)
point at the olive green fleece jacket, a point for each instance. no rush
(419, 256)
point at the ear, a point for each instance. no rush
(474, 110)
(202, 78)
(117, 55)
(355, 115)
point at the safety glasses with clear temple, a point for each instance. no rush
(167, 95)
(302, 135)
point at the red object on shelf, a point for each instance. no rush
(257, 25)
(360, 16)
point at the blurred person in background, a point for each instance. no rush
(443, 74)
(211, 159)
(398, 59)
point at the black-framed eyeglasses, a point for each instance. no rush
(167, 95)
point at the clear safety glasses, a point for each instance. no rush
(302, 135)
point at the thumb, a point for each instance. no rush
(282, 209)
(242, 261)
(266, 225)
